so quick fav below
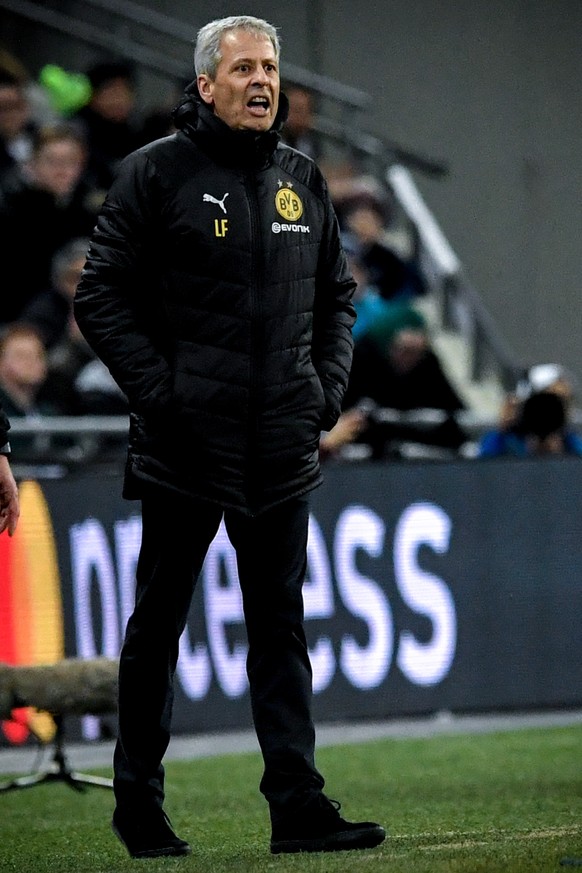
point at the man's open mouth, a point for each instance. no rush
(259, 103)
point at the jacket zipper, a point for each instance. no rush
(256, 340)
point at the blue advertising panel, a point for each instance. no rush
(431, 586)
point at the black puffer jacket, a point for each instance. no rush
(4, 427)
(217, 293)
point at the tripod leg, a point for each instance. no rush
(58, 771)
(78, 781)
(82, 779)
(27, 781)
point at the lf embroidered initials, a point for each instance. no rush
(220, 224)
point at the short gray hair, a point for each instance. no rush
(207, 54)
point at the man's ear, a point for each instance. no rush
(205, 88)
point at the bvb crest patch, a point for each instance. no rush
(288, 203)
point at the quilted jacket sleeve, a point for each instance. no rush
(334, 317)
(117, 300)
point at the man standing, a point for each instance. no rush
(217, 293)
(9, 506)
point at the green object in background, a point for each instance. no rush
(67, 91)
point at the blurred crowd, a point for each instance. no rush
(61, 139)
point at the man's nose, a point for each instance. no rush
(260, 77)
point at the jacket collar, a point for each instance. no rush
(236, 148)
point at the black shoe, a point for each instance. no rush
(149, 835)
(318, 827)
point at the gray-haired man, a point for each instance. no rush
(217, 293)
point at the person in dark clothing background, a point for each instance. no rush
(397, 278)
(395, 367)
(106, 121)
(298, 131)
(217, 293)
(9, 505)
(52, 308)
(17, 128)
(535, 419)
(42, 213)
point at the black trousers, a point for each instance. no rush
(271, 560)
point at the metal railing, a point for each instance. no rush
(56, 445)
(99, 442)
(462, 308)
(99, 37)
(118, 36)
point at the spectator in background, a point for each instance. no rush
(349, 426)
(395, 277)
(17, 128)
(348, 186)
(368, 303)
(41, 112)
(66, 360)
(77, 383)
(51, 309)
(548, 377)
(23, 379)
(23, 371)
(98, 393)
(158, 121)
(106, 121)
(367, 214)
(298, 129)
(370, 308)
(535, 419)
(42, 213)
(395, 367)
